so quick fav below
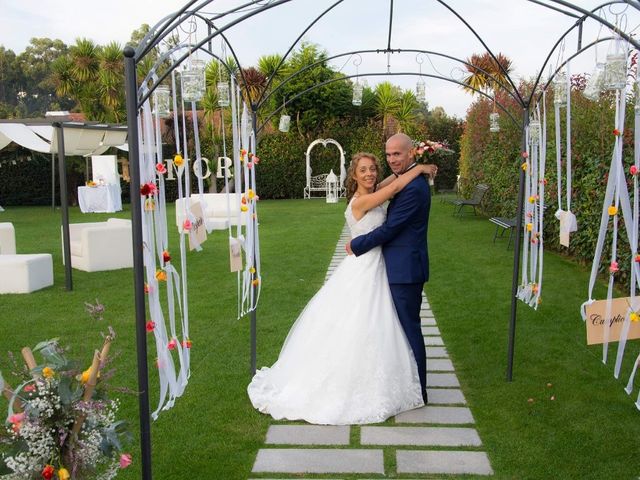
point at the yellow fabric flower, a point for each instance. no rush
(48, 372)
(251, 194)
(529, 227)
(613, 210)
(178, 160)
(634, 317)
(63, 474)
(161, 276)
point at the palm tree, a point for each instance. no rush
(268, 64)
(408, 110)
(485, 73)
(387, 102)
(111, 80)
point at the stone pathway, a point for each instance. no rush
(435, 439)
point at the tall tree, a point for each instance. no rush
(485, 73)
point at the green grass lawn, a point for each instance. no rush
(590, 430)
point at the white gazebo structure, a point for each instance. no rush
(318, 183)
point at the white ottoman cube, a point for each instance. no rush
(25, 273)
(7, 238)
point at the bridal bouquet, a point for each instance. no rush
(61, 425)
(426, 147)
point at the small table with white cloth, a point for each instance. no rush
(100, 199)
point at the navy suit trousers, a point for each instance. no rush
(407, 299)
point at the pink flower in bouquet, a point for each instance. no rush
(48, 471)
(125, 460)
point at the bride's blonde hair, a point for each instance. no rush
(351, 183)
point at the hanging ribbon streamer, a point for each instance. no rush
(568, 222)
(532, 253)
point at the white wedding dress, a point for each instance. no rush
(346, 359)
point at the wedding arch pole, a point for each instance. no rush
(516, 253)
(64, 206)
(138, 265)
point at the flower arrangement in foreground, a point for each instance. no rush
(60, 424)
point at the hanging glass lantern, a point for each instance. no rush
(560, 89)
(357, 94)
(615, 71)
(285, 122)
(193, 82)
(534, 132)
(420, 91)
(595, 84)
(224, 97)
(161, 101)
(494, 126)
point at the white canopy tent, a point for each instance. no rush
(59, 135)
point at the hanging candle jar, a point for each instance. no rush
(615, 71)
(534, 132)
(161, 101)
(285, 123)
(560, 89)
(224, 98)
(193, 81)
(494, 126)
(357, 94)
(421, 91)
(595, 84)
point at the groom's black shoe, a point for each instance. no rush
(425, 397)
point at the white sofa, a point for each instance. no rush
(7, 238)
(215, 211)
(99, 246)
(25, 273)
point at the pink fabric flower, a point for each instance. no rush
(187, 225)
(160, 168)
(125, 460)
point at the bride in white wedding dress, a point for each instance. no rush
(346, 360)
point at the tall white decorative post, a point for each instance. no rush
(332, 188)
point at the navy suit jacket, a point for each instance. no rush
(403, 235)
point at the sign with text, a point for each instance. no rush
(596, 321)
(198, 229)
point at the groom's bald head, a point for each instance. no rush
(399, 151)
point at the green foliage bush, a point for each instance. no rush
(495, 159)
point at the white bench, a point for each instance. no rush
(99, 246)
(25, 273)
(215, 210)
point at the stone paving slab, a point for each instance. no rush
(439, 365)
(420, 436)
(443, 462)
(433, 341)
(437, 352)
(445, 396)
(435, 331)
(438, 415)
(427, 322)
(442, 380)
(308, 460)
(308, 435)
(426, 314)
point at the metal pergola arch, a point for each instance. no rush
(249, 9)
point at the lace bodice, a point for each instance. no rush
(371, 220)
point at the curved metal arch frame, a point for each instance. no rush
(380, 74)
(358, 52)
(169, 23)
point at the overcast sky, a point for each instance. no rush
(522, 30)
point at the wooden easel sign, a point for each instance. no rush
(596, 321)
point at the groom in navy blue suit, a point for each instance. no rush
(403, 237)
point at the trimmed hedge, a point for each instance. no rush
(494, 159)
